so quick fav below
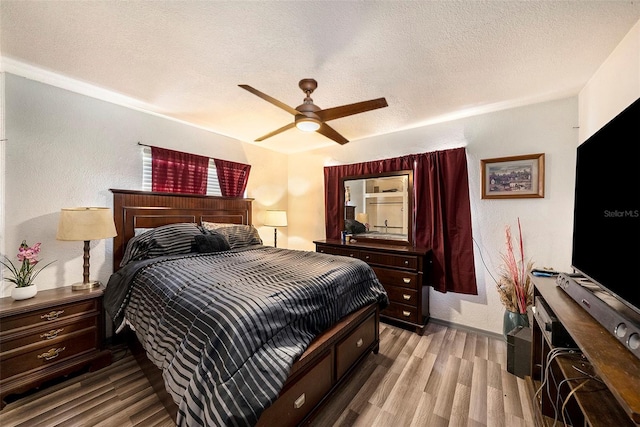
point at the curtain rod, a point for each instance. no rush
(200, 155)
(152, 146)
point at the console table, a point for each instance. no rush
(400, 269)
(613, 399)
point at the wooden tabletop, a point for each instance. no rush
(618, 368)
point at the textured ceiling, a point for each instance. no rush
(432, 60)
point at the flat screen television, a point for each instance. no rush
(606, 221)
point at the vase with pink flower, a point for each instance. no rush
(25, 274)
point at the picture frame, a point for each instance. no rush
(515, 177)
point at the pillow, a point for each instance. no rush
(170, 239)
(238, 235)
(211, 242)
(139, 231)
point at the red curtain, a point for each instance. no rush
(442, 211)
(178, 172)
(232, 177)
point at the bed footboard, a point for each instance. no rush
(317, 374)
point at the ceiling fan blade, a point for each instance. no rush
(330, 133)
(275, 132)
(350, 109)
(270, 99)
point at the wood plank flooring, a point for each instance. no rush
(445, 377)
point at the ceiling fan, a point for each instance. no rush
(309, 117)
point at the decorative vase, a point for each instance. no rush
(513, 320)
(25, 292)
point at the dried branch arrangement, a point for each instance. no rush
(514, 284)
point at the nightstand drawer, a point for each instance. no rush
(50, 332)
(401, 311)
(404, 279)
(21, 361)
(402, 295)
(391, 260)
(40, 317)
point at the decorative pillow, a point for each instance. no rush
(211, 242)
(237, 235)
(170, 239)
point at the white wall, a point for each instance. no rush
(548, 128)
(613, 87)
(66, 149)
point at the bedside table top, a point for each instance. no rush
(46, 298)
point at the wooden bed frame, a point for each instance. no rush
(321, 369)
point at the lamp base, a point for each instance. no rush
(80, 286)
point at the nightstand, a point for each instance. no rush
(55, 333)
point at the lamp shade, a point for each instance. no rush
(276, 219)
(85, 223)
(362, 217)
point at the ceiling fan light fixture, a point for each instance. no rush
(307, 124)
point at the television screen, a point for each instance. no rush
(606, 228)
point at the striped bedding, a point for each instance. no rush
(226, 328)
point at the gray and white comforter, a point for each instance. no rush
(225, 328)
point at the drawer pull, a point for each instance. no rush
(406, 297)
(367, 257)
(351, 255)
(406, 280)
(406, 262)
(51, 334)
(52, 315)
(51, 354)
(406, 313)
(359, 343)
(297, 404)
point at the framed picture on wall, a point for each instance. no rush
(514, 177)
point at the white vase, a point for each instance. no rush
(25, 292)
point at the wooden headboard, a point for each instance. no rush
(143, 209)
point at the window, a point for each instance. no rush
(213, 188)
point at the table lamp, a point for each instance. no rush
(275, 219)
(363, 218)
(85, 224)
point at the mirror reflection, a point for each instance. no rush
(378, 207)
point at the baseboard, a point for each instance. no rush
(466, 328)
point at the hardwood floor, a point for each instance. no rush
(446, 377)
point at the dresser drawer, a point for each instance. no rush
(303, 395)
(46, 333)
(401, 311)
(354, 345)
(41, 317)
(404, 279)
(353, 253)
(402, 295)
(21, 361)
(391, 260)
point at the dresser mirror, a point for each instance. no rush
(378, 207)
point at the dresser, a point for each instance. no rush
(55, 333)
(402, 270)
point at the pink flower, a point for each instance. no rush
(28, 257)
